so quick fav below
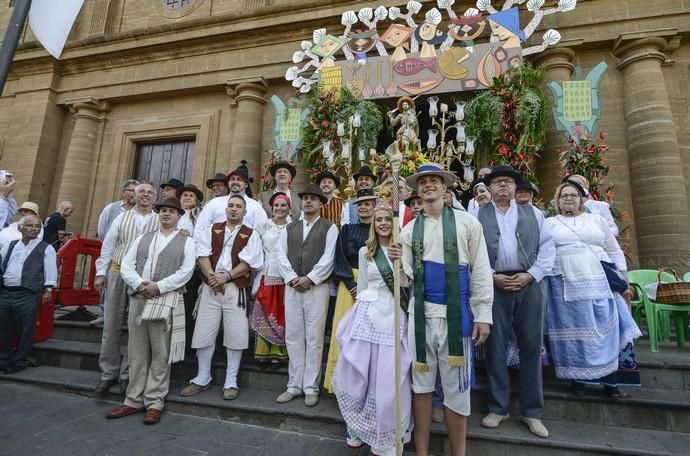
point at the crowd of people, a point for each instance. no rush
(495, 284)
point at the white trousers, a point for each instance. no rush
(305, 321)
(215, 309)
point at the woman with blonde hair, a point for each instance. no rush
(363, 380)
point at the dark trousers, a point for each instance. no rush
(190, 296)
(18, 313)
(520, 312)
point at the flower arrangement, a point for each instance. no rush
(585, 155)
(380, 164)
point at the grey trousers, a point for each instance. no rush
(149, 351)
(18, 312)
(113, 358)
(520, 312)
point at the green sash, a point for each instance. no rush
(453, 310)
(386, 272)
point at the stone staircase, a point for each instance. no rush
(653, 420)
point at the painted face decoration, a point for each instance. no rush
(397, 35)
(328, 46)
(361, 42)
(430, 34)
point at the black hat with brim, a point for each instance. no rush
(175, 183)
(190, 188)
(525, 184)
(365, 170)
(283, 164)
(219, 177)
(313, 189)
(500, 171)
(412, 196)
(330, 175)
(365, 194)
(171, 202)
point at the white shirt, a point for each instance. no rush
(508, 259)
(252, 253)
(603, 209)
(323, 268)
(13, 274)
(214, 212)
(110, 241)
(159, 242)
(185, 223)
(12, 233)
(8, 209)
(345, 212)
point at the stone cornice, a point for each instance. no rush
(559, 56)
(647, 44)
(88, 108)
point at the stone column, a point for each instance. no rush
(249, 99)
(559, 67)
(659, 196)
(88, 114)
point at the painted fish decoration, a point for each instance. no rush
(420, 85)
(413, 65)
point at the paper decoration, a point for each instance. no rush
(577, 100)
(331, 78)
(290, 128)
(287, 126)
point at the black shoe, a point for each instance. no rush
(263, 364)
(578, 388)
(123, 386)
(103, 387)
(612, 392)
(275, 364)
(13, 369)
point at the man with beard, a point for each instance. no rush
(329, 183)
(521, 252)
(306, 262)
(228, 251)
(29, 273)
(214, 210)
(156, 268)
(218, 185)
(283, 172)
(364, 178)
(122, 233)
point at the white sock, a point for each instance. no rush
(204, 357)
(234, 358)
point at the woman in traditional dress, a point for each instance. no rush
(590, 328)
(190, 199)
(268, 313)
(364, 378)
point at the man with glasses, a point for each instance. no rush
(125, 229)
(521, 252)
(108, 215)
(29, 273)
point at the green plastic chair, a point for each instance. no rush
(658, 325)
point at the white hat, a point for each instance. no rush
(29, 206)
(431, 169)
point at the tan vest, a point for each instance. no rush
(128, 232)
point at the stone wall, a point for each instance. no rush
(69, 128)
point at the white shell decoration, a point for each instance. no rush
(305, 88)
(566, 5)
(551, 37)
(348, 18)
(365, 14)
(297, 82)
(471, 12)
(414, 7)
(318, 35)
(381, 13)
(394, 12)
(535, 5)
(305, 45)
(292, 73)
(297, 57)
(443, 4)
(433, 16)
(483, 5)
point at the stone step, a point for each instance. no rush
(645, 408)
(667, 369)
(512, 438)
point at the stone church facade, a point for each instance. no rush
(149, 87)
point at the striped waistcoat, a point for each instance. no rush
(331, 210)
(129, 232)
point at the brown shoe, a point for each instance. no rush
(230, 394)
(152, 416)
(122, 411)
(193, 389)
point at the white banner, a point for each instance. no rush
(51, 22)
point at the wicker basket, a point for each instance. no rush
(674, 292)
